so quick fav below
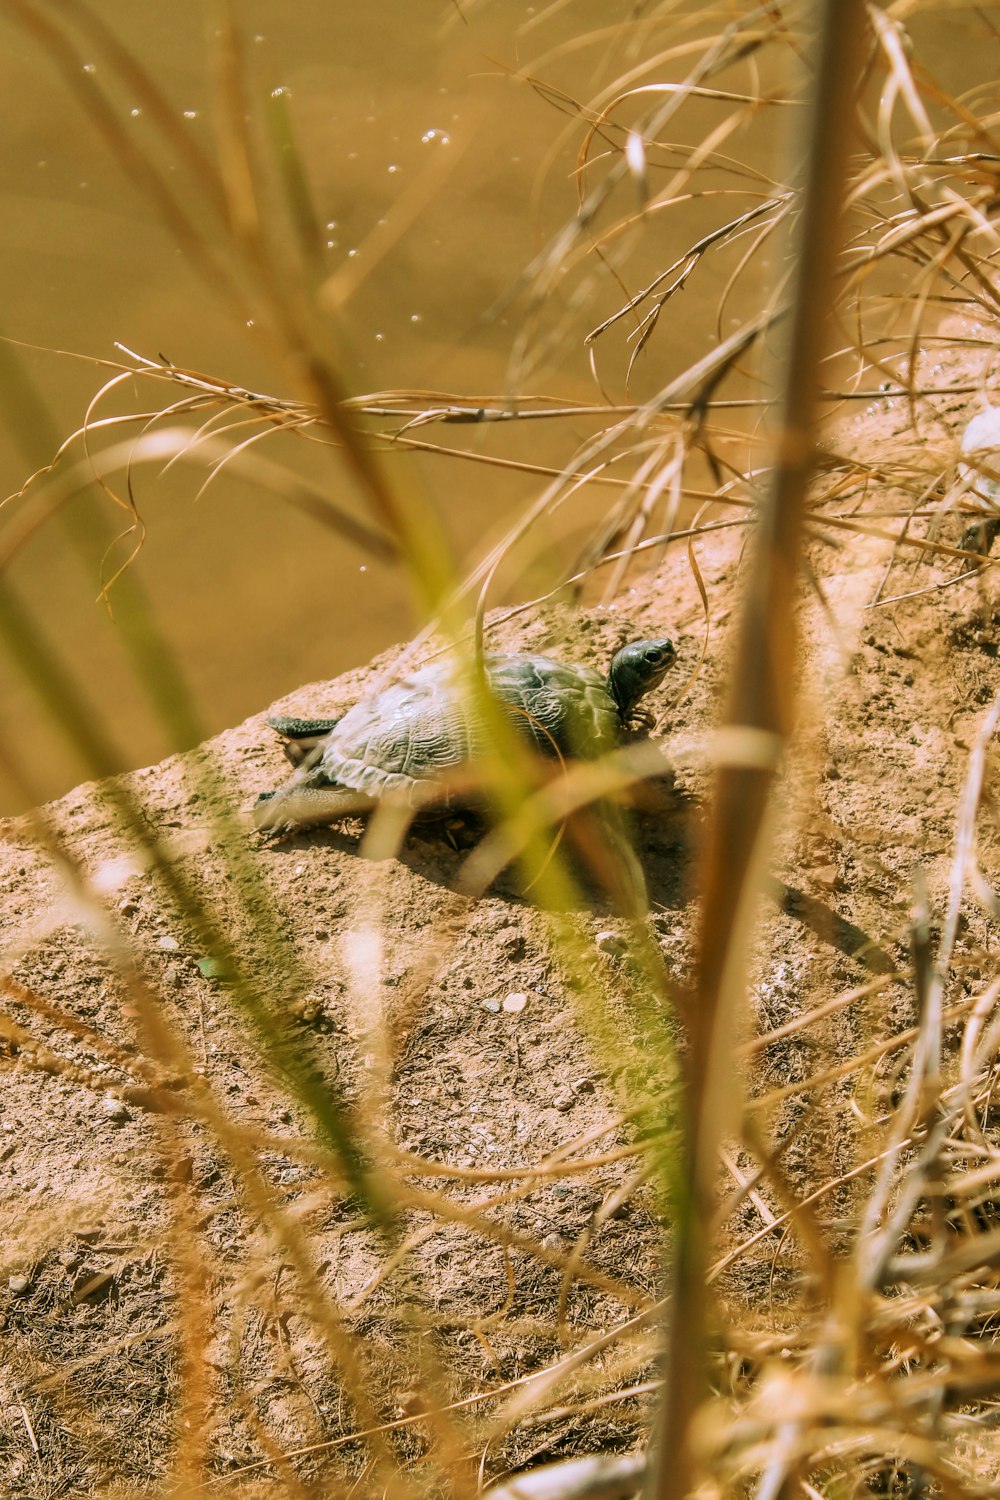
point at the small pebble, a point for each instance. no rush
(18, 1284)
(309, 1008)
(493, 1005)
(514, 1002)
(563, 1102)
(609, 942)
(114, 1110)
(168, 944)
(582, 1085)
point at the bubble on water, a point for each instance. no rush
(415, 318)
(331, 224)
(635, 154)
(393, 168)
(351, 254)
(281, 92)
(435, 138)
(362, 569)
(379, 338)
(89, 68)
(135, 113)
(190, 114)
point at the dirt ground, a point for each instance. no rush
(458, 1021)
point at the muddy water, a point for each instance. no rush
(436, 174)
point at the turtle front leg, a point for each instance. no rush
(308, 801)
(641, 720)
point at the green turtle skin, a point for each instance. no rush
(403, 740)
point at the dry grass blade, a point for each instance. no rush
(399, 1262)
(680, 269)
(597, 1478)
(761, 703)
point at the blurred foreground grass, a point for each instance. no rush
(876, 1372)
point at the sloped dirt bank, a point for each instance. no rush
(125, 1206)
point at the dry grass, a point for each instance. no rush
(868, 1367)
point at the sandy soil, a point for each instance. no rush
(402, 1003)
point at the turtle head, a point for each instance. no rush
(636, 669)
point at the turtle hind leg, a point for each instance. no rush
(980, 536)
(302, 740)
(291, 728)
(306, 802)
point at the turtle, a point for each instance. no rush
(403, 742)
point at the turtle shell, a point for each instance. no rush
(429, 722)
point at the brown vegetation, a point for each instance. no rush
(323, 1178)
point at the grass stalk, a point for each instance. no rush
(756, 726)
